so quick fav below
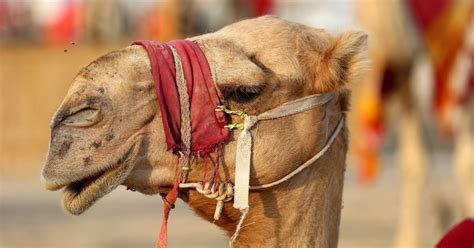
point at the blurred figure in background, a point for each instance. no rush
(104, 20)
(422, 65)
(59, 21)
(16, 20)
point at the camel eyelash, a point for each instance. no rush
(241, 94)
(245, 93)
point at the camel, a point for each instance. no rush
(108, 130)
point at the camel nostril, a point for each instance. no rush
(60, 116)
(84, 117)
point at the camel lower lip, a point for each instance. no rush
(79, 196)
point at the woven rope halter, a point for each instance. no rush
(224, 192)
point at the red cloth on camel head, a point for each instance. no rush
(207, 125)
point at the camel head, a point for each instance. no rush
(108, 130)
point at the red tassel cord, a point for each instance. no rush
(206, 161)
(168, 204)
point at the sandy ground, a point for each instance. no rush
(32, 216)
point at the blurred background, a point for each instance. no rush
(410, 173)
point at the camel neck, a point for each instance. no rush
(303, 212)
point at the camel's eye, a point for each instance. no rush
(83, 118)
(242, 94)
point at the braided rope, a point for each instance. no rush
(224, 191)
(185, 114)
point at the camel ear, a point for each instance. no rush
(342, 61)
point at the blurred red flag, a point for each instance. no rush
(443, 24)
(460, 236)
(65, 28)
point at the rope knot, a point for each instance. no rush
(222, 108)
(224, 192)
(239, 113)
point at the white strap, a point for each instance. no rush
(244, 155)
(297, 106)
(242, 164)
(244, 143)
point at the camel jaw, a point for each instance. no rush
(78, 196)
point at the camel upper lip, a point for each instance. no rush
(55, 185)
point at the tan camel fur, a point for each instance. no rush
(108, 130)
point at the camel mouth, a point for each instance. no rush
(80, 184)
(78, 196)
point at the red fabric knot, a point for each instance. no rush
(207, 125)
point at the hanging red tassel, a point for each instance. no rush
(168, 204)
(216, 170)
(205, 171)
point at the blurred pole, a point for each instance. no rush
(412, 160)
(464, 158)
